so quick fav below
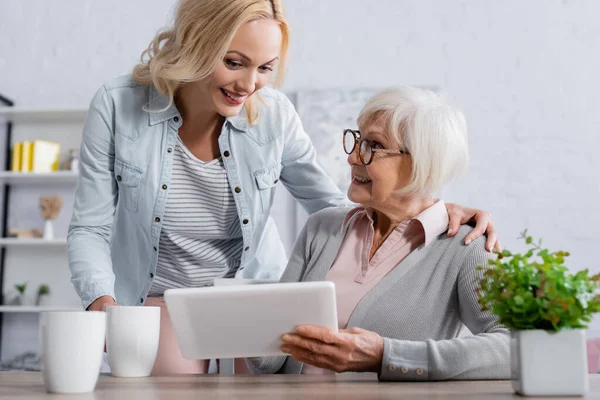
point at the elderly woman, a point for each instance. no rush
(405, 289)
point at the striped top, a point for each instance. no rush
(201, 236)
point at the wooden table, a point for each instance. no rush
(29, 385)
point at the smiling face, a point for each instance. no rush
(246, 68)
(373, 185)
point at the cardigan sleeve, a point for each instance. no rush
(484, 355)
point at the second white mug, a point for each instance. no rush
(132, 334)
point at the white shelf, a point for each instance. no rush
(28, 114)
(38, 177)
(16, 242)
(37, 309)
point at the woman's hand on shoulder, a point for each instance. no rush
(481, 220)
(352, 349)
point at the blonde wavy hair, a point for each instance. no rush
(191, 49)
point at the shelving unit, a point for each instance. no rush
(16, 242)
(15, 178)
(36, 309)
(21, 114)
(49, 121)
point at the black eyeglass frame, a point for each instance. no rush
(363, 144)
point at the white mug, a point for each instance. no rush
(132, 334)
(72, 347)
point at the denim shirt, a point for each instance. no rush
(125, 174)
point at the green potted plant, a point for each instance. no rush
(43, 294)
(20, 287)
(547, 310)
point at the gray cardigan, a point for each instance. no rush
(419, 308)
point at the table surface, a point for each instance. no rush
(29, 385)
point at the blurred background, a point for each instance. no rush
(525, 74)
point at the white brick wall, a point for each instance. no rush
(524, 72)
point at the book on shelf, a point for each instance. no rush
(37, 156)
(26, 155)
(46, 156)
(16, 157)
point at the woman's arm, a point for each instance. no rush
(95, 201)
(301, 174)
(485, 355)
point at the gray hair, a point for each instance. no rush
(433, 132)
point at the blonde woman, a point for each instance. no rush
(179, 164)
(404, 289)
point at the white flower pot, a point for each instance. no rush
(42, 300)
(48, 230)
(547, 363)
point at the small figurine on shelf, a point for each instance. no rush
(50, 207)
(43, 295)
(72, 162)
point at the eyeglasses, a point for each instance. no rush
(365, 148)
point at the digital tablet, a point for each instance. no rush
(246, 320)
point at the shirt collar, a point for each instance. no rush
(157, 101)
(354, 214)
(433, 219)
(240, 121)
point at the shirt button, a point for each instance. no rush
(176, 119)
(164, 187)
(276, 180)
(392, 367)
(247, 248)
(157, 219)
(119, 178)
(142, 300)
(226, 153)
(404, 370)
(245, 221)
(155, 249)
(169, 150)
(237, 189)
(419, 371)
(151, 275)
